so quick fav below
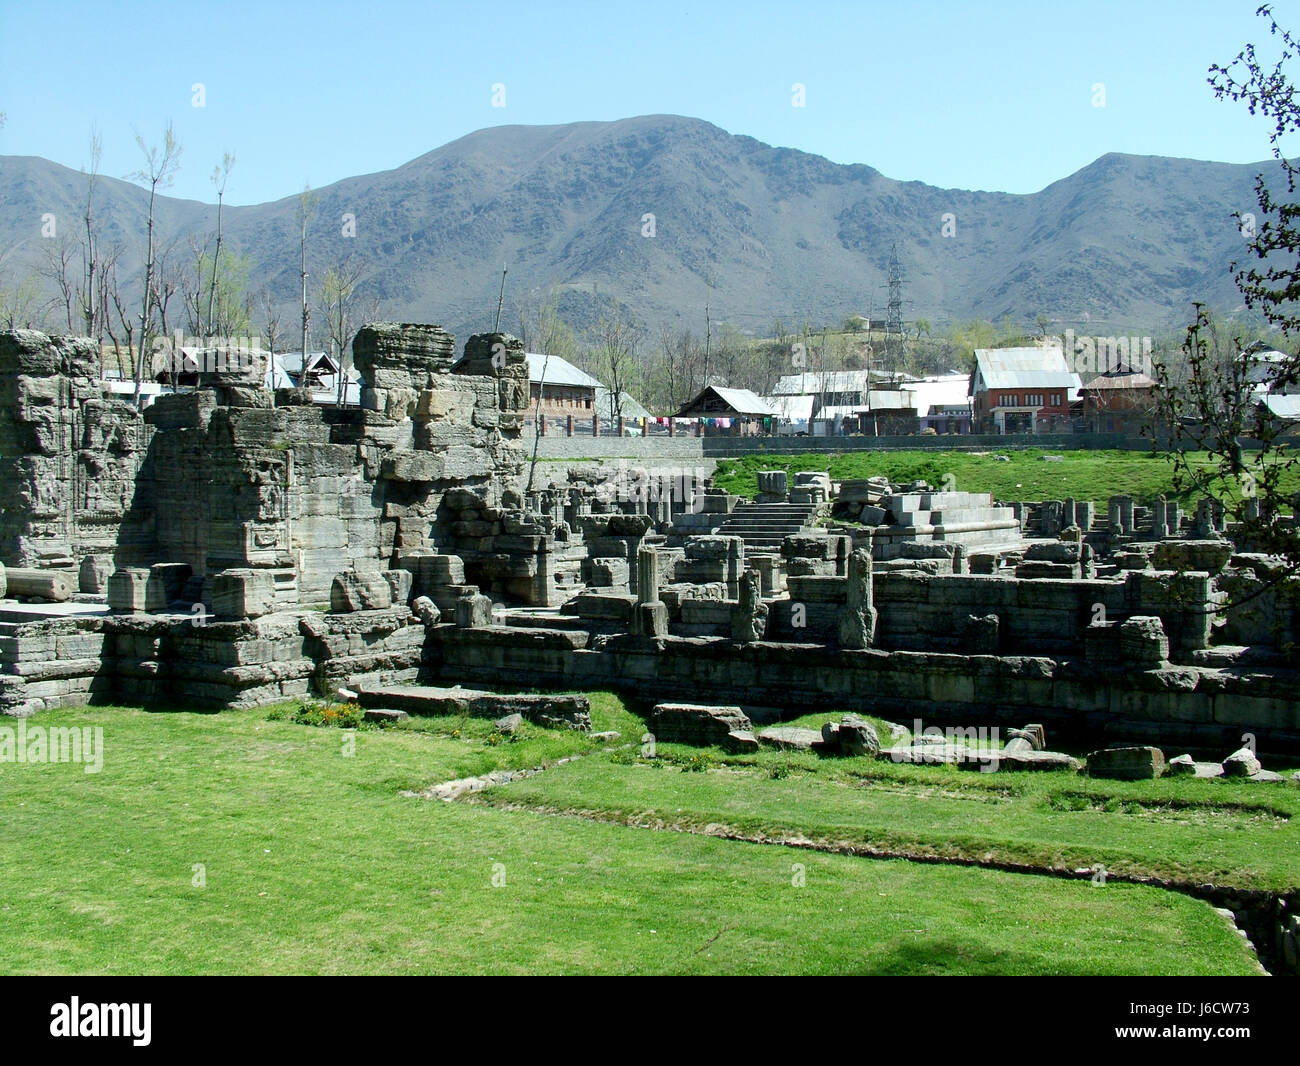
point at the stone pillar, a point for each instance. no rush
(569, 426)
(749, 619)
(649, 614)
(768, 568)
(843, 545)
(735, 565)
(622, 426)
(858, 622)
(647, 576)
(1209, 518)
(545, 592)
(1160, 518)
(1084, 510)
(1121, 515)
(1049, 518)
(595, 424)
(473, 610)
(773, 485)
(1068, 508)
(93, 575)
(699, 427)
(672, 427)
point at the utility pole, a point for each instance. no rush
(496, 328)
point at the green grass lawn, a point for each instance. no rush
(312, 860)
(1083, 475)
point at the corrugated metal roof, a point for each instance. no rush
(742, 401)
(942, 390)
(895, 400)
(631, 409)
(791, 408)
(1283, 405)
(1023, 368)
(1135, 380)
(812, 382)
(292, 361)
(559, 371)
(277, 377)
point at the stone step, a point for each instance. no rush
(568, 623)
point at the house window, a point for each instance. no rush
(1056, 399)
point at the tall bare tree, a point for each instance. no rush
(615, 358)
(307, 203)
(342, 307)
(270, 321)
(92, 308)
(57, 257)
(159, 169)
(220, 175)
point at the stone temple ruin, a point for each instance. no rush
(231, 546)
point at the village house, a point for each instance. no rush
(1022, 390)
(1118, 401)
(737, 412)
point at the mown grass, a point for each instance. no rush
(231, 843)
(1083, 475)
(1225, 832)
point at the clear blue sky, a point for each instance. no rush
(977, 96)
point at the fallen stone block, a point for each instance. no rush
(851, 735)
(693, 723)
(360, 590)
(740, 742)
(787, 736)
(570, 711)
(926, 754)
(1241, 763)
(1127, 764)
(1004, 760)
(52, 585)
(1266, 776)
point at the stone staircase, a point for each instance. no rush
(762, 526)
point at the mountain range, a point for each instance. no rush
(753, 231)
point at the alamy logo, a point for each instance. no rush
(38, 744)
(179, 354)
(102, 1019)
(638, 484)
(983, 745)
(1087, 356)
